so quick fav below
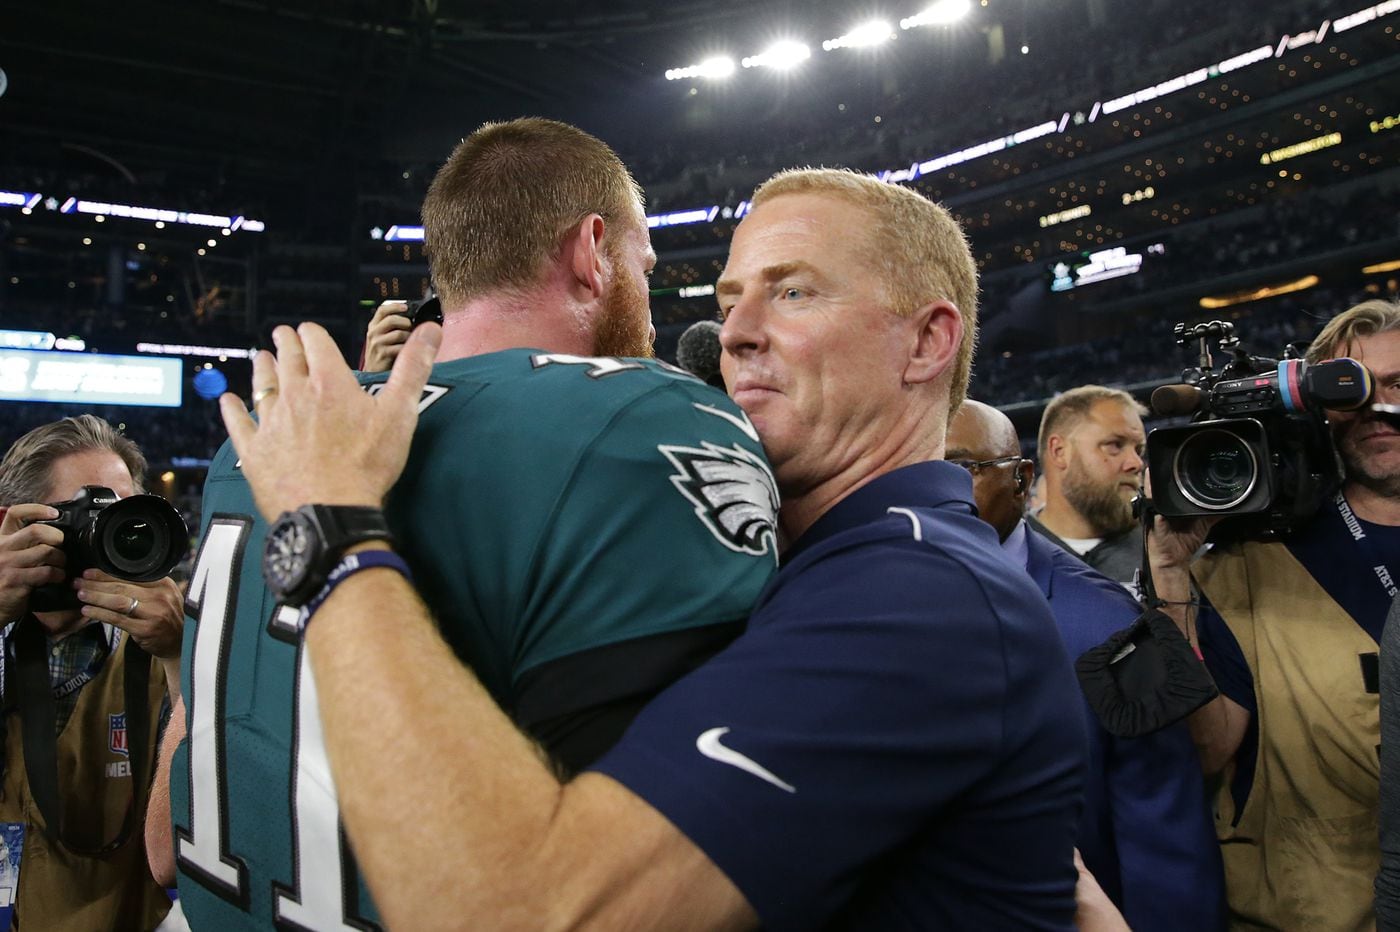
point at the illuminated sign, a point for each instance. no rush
(699, 215)
(1386, 123)
(1361, 17)
(39, 340)
(180, 349)
(89, 379)
(697, 291)
(1090, 268)
(1141, 194)
(155, 214)
(23, 199)
(1301, 148)
(1064, 216)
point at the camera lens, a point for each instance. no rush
(1215, 469)
(135, 545)
(134, 541)
(138, 538)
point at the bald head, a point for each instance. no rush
(978, 433)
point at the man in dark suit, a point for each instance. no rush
(1146, 833)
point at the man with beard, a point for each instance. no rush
(1289, 629)
(586, 527)
(1090, 448)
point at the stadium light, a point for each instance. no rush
(781, 56)
(941, 13)
(875, 32)
(720, 66)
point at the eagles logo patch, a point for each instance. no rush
(734, 494)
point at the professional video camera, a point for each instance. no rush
(139, 538)
(1258, 451)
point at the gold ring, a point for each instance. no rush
(261, 394)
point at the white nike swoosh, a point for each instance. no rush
(708, 744)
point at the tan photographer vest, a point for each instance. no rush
(58, 889)
(1305, 852)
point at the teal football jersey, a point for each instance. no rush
(552, 505)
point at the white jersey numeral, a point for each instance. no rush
(202, 849)
(324, 881)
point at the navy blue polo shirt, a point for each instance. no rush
(897, 739)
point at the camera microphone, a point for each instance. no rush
(698, 351)
(1171, 400)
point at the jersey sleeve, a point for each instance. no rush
(819, 740)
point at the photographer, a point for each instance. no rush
(74, 787)
(1289, 630)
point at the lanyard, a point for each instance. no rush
(82, 678)
(1367, 544)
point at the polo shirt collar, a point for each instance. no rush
(921, 485)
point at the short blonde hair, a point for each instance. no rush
(507, 196)
(1365, 319)
(1067, 409)
(917, 245)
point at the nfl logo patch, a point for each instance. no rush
(116, 734)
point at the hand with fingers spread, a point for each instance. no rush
(153, 613)
(319, 437)
(388, 331)
(31, 555)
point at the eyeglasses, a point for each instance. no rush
(976, 466)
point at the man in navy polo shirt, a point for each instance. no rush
(895, 741)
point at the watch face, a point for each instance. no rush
(287, 555)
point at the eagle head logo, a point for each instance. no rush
(734, 494)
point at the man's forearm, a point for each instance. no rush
(483, 834)
(393, 701)
(160, 845)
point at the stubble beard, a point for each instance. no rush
(624, 327)
(1386, 484)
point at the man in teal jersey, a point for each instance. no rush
(603, 527)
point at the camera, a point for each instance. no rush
(1258, 451)
(139, 539)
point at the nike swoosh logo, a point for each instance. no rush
(709, 744)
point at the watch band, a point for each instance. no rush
(344, 526)
(347, 567)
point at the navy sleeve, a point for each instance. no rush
(1155, 834)
(1223, 656)
(1167, 852)
(825, 736)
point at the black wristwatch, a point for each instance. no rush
(304, 545)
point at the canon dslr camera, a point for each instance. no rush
(1258, 451)
(139, 539)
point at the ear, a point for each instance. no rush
(1025, 474)
(583, 250)
(1057, 451)
(937, 334)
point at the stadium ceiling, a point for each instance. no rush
(281, 82)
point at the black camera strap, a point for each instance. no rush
(39, 719)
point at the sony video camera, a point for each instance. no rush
(1258, 451)
(140, 538)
